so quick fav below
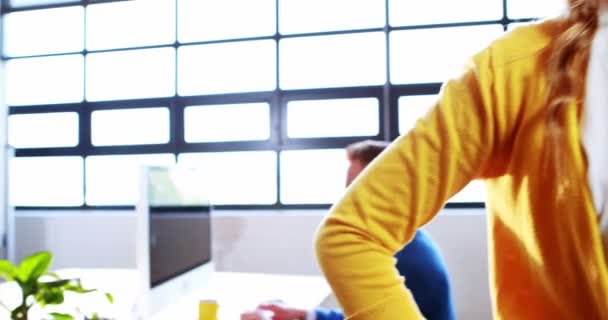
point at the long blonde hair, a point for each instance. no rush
(572, 45)
(567, 236)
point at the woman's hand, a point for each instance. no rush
(283, 312)
(257, 315)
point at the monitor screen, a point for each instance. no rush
(179, 241)
(179, 223)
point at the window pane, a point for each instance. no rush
(512, 26)
(204, 20)
(46, 181)
(313, 176)
(130, 126)
(227, 67)
(333, 61)
(333, 118)
(412, 108)
(237, 177)
(131, 74)
(329, 15)
(56, 31)
(534, 9)
(28, 3)
(407, 12)
(475, 191)
(434, 55)
(130, 24)
(228, 122)
(46, 80)
(43, 130)
(114, 180)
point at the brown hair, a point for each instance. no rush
(574, 42)
(366, 150)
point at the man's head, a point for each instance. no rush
(360, 154)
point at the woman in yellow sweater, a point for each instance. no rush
(526, 117)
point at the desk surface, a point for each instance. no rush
(235, 293)
(238, 292)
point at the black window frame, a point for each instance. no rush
(387, 94)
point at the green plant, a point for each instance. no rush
(30, 275)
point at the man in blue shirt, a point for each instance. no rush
(419, 262)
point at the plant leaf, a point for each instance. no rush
(8, 271)
(61, 316)
(26, 288)
(110, 297)
(47, 296)
(34, 266)
(55, 284)
(77, 287)
(53, 275)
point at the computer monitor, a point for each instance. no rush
(173, 234)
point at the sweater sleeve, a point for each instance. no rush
(403, 189)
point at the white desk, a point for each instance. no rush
(235, 293)
(238, 292)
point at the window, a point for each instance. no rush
(409, 13)
(205, 20)
(227, 67)
(475, 191)
(29, 3)
(333, 118)
(114, 180)
(262, 94)
(58, 129)
(333, 61)
(236, 178)
(532, 9)
(44, 80)
(313, 176)
(515, 25)
(228, 122)
(61, 30)
(433, 55)
(412, 108)
(329, 15)
(131, 74)
(130, 126)
(46, 181)
(130, 24)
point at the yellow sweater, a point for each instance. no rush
(545, 251)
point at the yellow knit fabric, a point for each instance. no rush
(545, 252)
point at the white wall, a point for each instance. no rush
(270, 242)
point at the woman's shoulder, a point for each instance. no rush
(527, 42)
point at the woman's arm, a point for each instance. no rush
(402, 190)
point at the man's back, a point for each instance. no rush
(426, 276)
